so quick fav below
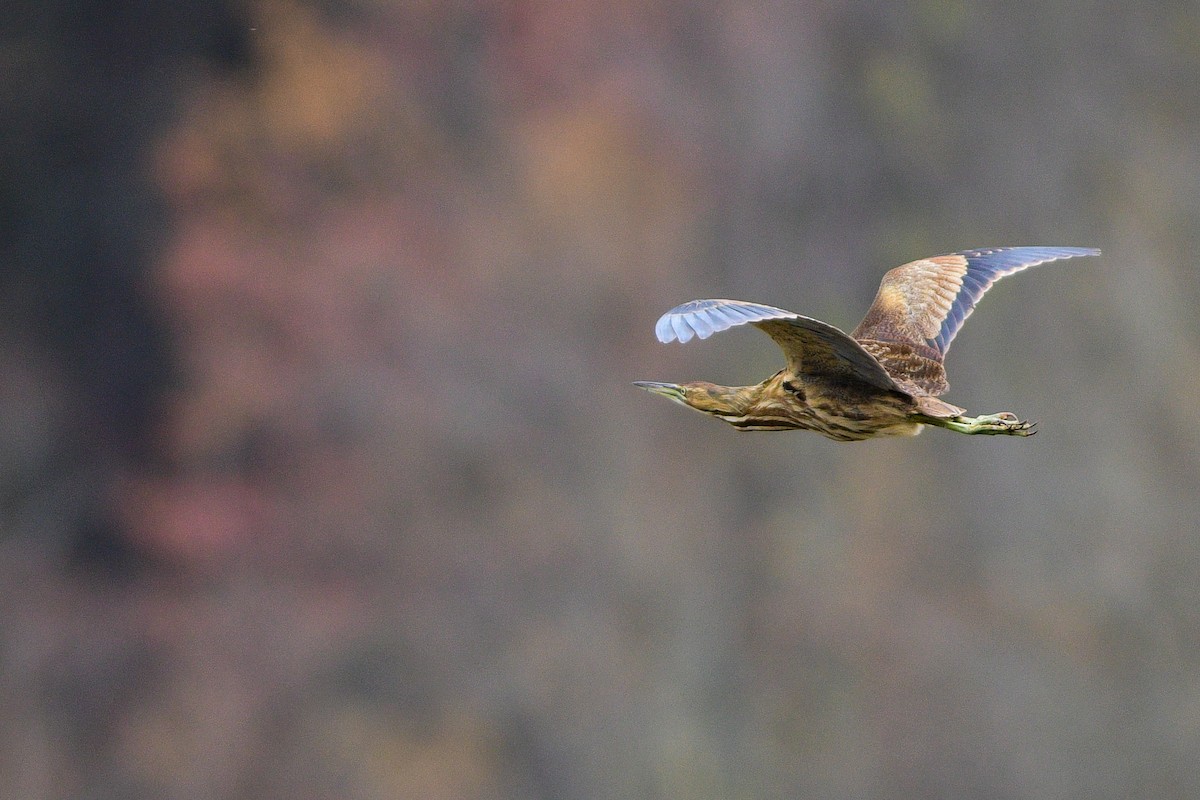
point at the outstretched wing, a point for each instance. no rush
(812, 347)
(925, 302)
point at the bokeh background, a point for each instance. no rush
(321, 474)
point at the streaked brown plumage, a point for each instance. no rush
(884, 379)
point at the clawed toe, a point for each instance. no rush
(1009, 423)
(1024, 429)
(1002, 424)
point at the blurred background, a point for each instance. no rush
(321, 474)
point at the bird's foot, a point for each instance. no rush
(1002, 424)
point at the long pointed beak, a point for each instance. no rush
(671, 391)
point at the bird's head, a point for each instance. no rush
(725, 402)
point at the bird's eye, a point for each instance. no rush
(788, 386)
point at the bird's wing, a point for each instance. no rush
(812, 347)
(924, 303)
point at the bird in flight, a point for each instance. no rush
(884, 378)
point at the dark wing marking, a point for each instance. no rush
(811, 346)
(924, 303)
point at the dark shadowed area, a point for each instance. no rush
(321, 470)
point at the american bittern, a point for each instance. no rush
(881, 380)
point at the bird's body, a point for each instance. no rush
(842, 411)
(884, 379)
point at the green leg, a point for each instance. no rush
(1002, 424)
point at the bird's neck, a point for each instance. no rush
(724, 401)
(742, 399)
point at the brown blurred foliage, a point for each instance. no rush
(321, 471)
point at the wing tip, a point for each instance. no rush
(1076, 252)
(1053, 252)
(702, 318)
(662, 329)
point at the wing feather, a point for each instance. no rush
(812, 347)
(924, 303)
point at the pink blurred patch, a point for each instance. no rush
(193, 522)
